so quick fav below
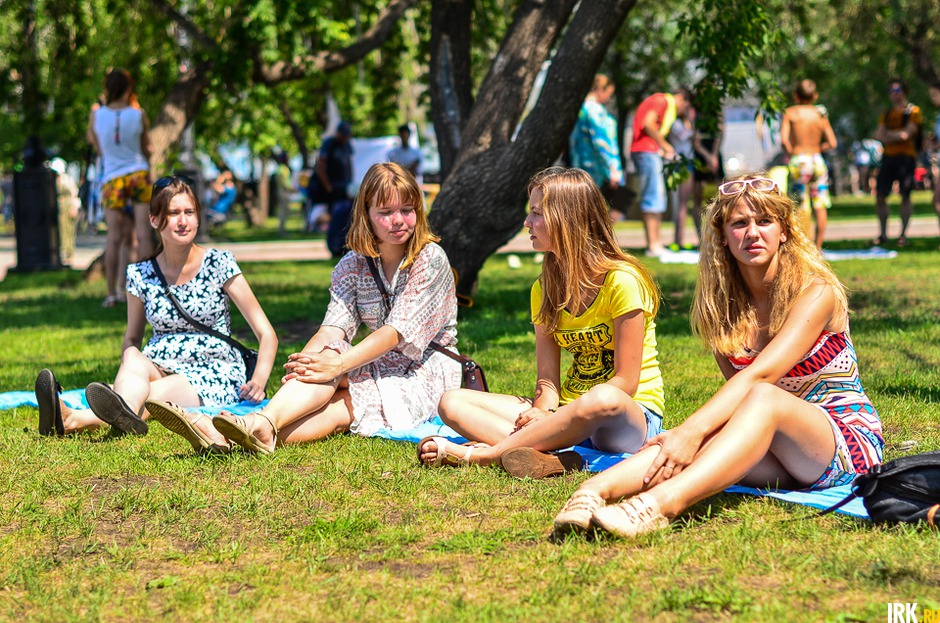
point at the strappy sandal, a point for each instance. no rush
(879, 241)
(50, 405)
(902, 241)
(575, 515)
(444, 457)
(111, 408)
(630, 518)
(110, 301)
(177, 421)
(530, 463)
(234, 428)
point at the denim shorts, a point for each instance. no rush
(651, 183)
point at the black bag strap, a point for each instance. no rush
(374, 269)
(195, 323)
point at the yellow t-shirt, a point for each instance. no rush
(590, 339)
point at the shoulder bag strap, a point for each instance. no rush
(195, 323)
(374, 269)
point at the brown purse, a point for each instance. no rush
(473, 376)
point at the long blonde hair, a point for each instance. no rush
(384, 181)
(578, 224)
(723, 314)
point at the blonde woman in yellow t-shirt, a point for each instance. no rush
(598, 303)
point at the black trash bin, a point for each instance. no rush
(36, 214)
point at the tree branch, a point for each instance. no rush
(186, 24)
(332, 60)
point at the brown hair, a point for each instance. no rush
(578, 223)
(383, 182)
(116, 84)
(805, 91)
(600, 82)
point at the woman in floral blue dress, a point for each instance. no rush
(179, 363)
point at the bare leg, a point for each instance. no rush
(143, 230)
(295, 400)
(603, 409)
(479, 416)
(769, 420)
(822, 219)
(906, 210)
(112, 251)
(335, 418)
(651, 227)
(881, 207)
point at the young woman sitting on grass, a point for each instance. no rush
(392, 378)
(598, 303)
(793, 413)
(179, 363)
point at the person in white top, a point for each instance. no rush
(119, 132)
(406, 155)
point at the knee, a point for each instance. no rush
(449, 406)
(601, 402)
(759, 400)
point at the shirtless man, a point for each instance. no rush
(805, 133)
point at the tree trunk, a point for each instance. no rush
(482, 203)
(449, 76)
(180, 107)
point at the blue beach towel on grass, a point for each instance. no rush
(594, 461)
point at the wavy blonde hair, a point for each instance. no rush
(383, 182)
(578, 223)
(723, 314)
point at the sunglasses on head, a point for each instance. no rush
(166, 180)
(895, 89)
(762, 184)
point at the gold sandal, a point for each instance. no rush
(234, 428)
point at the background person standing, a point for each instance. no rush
(118, 131)
(897, 129)
(594, 144)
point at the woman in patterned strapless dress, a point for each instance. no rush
(392, 378)
(180, 363)
(793, 413)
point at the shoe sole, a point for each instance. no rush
(111, 408)
(176, 423)
(47, 397)
(530, 463)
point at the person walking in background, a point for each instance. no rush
(406, 155)
(594, 144)
(792, 413)
(118, 131)
(804, 134)
(654, 117)
(329, 184)
(898, 128)
(68, 206)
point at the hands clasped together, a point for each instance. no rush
(323, 367)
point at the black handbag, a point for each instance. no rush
(249, 355)
(473, 376)
(905, 490)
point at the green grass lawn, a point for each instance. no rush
(94, 528)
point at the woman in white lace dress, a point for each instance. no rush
(392, 378)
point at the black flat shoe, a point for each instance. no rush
(111, 408)
(50, 410)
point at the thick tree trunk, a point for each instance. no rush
(449, 77)
(180, 107)
(482, 203)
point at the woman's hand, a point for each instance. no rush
(322, 367)
(528, 416)
(252, 392)
(677, 449)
